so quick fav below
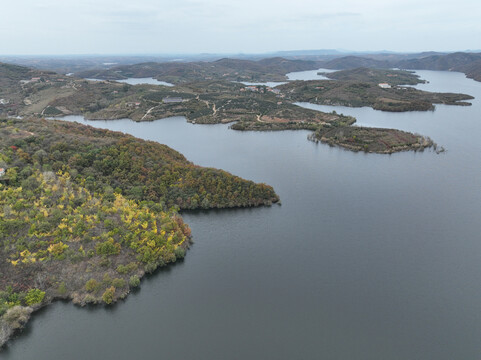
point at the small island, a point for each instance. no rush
(375, 76)
(372, 140)
(379, 89)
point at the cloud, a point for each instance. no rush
(87, 26)
(323, 16)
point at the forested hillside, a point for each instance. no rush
(85, 213)
(138, 169)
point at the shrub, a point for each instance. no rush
(107, 280)
(108, 247)
(122, 269)
(57, 249)
(118, 283)
(125, 269)
(92, 285)
(105, 262)
(132, 266)
(3, 308)
(150, 267)
(17, 316)
(34, 296)
(134, 281)
(179, 253)
(108, 295)
(62, 289)
(89, 299)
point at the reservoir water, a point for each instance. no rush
(309, 74)
(139, 81)
(369, 257)
(150, 81)
(269, 83)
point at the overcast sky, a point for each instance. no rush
(235, 26)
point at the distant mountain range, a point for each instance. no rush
(255, 67)
(275, 68)
(270, 69)
(468, 63)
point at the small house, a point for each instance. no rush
(384, 85)
(2, 172)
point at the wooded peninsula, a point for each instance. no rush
(85, 213)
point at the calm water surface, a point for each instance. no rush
(151, 81)
(138, 81)
(299, 75)
(369, 256)
(269, 83)
(309, 74)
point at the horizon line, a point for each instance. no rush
(173, 54)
